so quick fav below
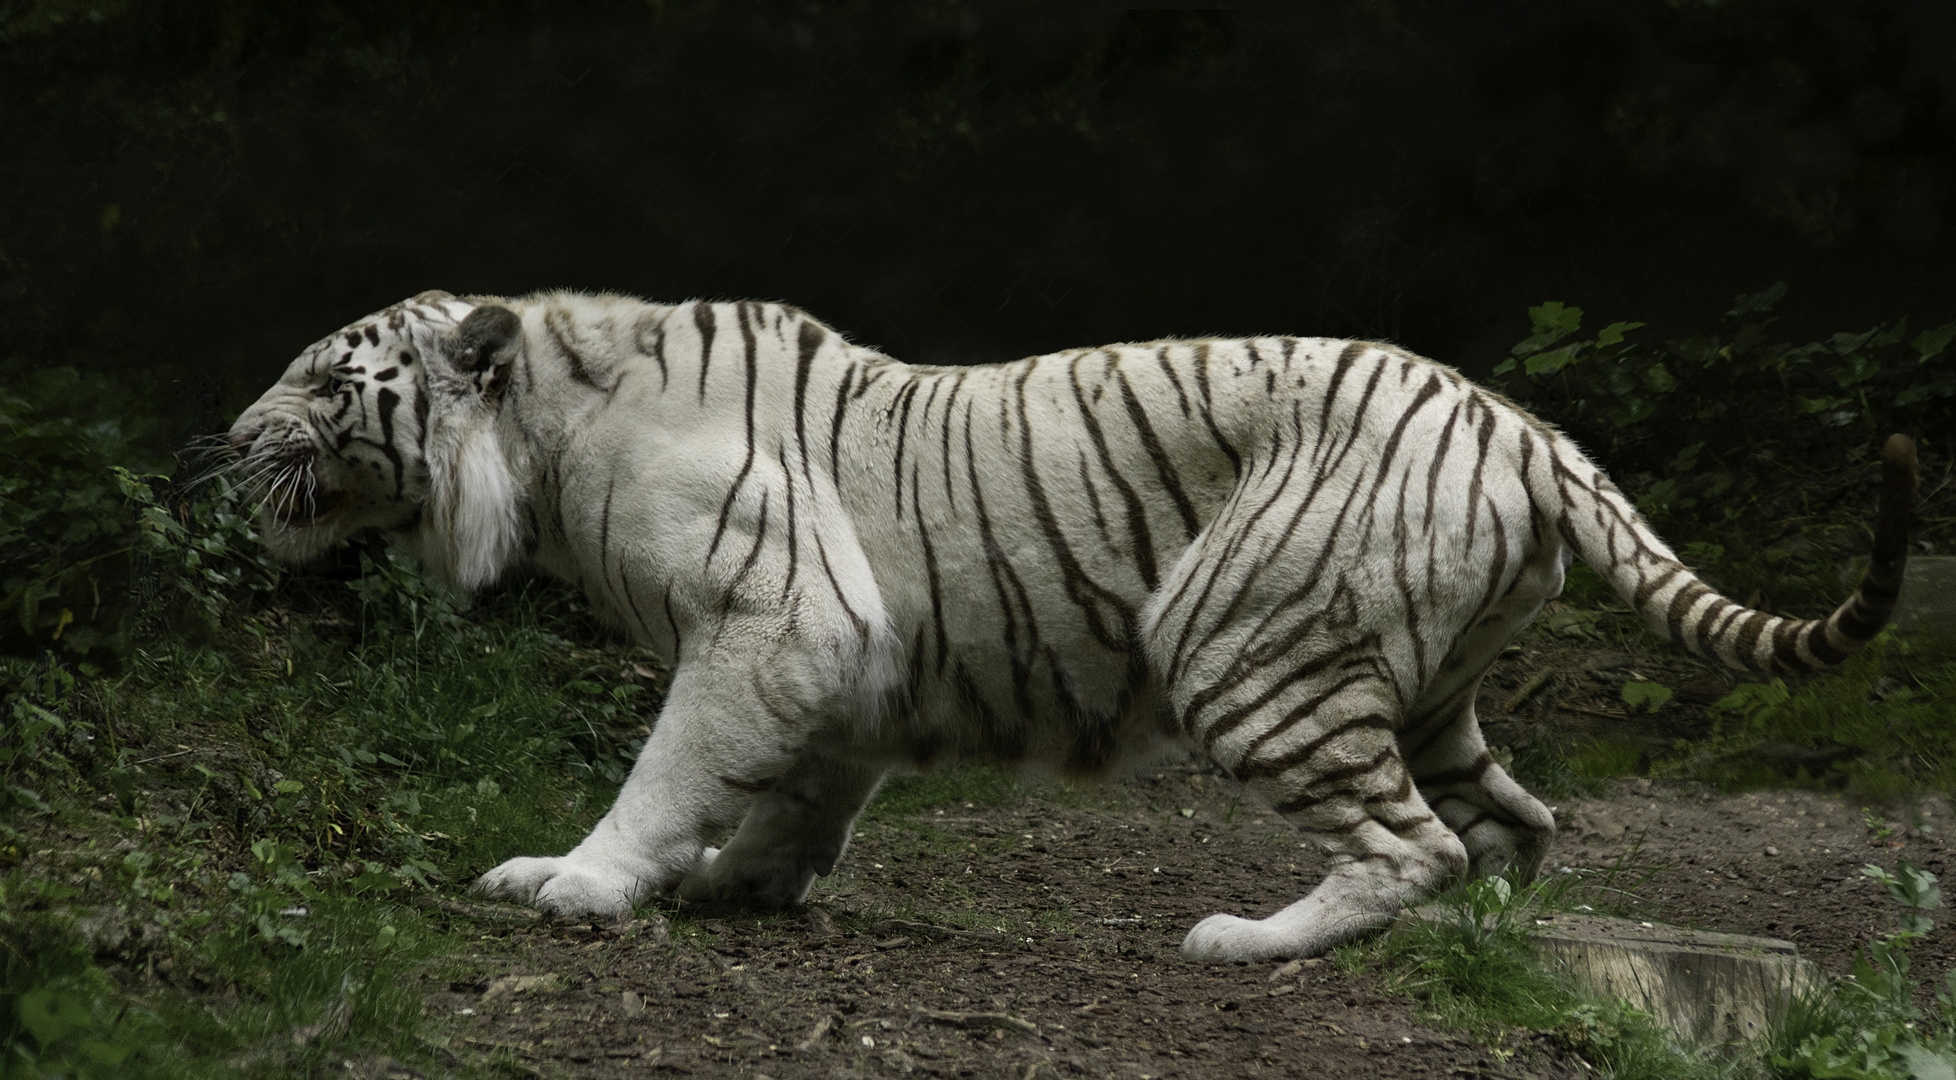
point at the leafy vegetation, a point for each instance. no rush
(1754, 456)
(1472, 967)
(228, 790)
(1469, 961)
(1868, 1025)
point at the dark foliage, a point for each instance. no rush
(197, 189)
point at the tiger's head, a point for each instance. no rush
(389, 423)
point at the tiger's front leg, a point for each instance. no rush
(731, 727)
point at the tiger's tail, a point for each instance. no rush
(1607, 533)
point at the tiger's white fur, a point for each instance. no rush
(1298, 554)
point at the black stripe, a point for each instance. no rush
(822, 555)
(1168, 369)
(657, 333)
(906, 395)
(1346, 357)
(1201, 364)
(794, 549)
(835, 425)
(554, 321)
(807, 340)
(604, 526)
(1137, 516)
(747, 466)
(1469, 774)
(388, 401)
(1006, 581)
(1252, 766)
(1333, 777)
(1150, 442)
(930, 573)
(747, 564)
(665, 604)
(703, 319)
(1086, 594)
(631, 601)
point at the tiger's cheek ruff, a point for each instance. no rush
(1299, 555)
(471, 529)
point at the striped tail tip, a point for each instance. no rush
(1806, 645)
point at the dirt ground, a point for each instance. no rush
(1039, 939)
(1027, 940)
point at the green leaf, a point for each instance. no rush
(1844, 343)
(1552, 321)
(1926, 1064)
(1659, 380)
(1649, 696)
(102, 1053)
(1929, 344)
(1551, 362)
(52, 1015)
(1613, 333)
(1756, 303)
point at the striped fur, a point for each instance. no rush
(1299, 555)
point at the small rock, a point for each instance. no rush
(820, 924)
(633, 1004)
(1771, 850)
(1287, 971)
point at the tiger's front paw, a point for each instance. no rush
(564, 887)
(1223, 938)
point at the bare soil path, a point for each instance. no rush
(1038, 939)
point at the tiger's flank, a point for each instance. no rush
(1299, 555)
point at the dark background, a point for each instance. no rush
(191, 192)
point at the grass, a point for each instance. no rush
(213, 857)
(968, 787)
(1473, 970)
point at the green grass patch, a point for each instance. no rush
(1473, 969)
(1601, 757)
(214, 854)
(965, 788)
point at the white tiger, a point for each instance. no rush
(1297, 554)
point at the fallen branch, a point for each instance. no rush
(971, 1020)
(893, 927)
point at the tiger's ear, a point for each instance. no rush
(489, 338)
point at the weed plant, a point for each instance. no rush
(1868, 1026)
(1468, 960)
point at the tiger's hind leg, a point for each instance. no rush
(794, 832)
(1504, 828)
(1322, 750)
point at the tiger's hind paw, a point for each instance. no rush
(561, 887)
